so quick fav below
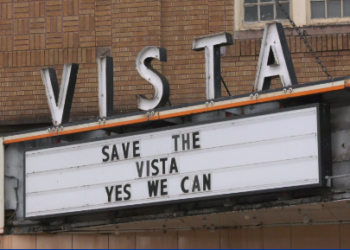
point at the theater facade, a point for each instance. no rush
(187, 124)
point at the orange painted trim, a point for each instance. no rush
(177, 114)
(255, 101)
(80, 130)
(183, 113)
(309, 92)
(35, 137)
(116, 124)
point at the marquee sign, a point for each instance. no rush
(269, 152)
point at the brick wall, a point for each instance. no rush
(38, 34)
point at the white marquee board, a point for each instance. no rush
(251, 154)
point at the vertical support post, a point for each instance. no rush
(2, 185)
(105, 86)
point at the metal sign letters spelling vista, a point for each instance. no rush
(275, 61)
(279, 150)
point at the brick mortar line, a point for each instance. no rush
(13, 31)
(62, 27)
(16, 51)
(45, 27)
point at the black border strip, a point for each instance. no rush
(109, 85)
(70, 92)
(287, 54)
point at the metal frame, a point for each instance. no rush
(324, 159)
(281, 94)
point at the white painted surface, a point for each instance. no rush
(177, 112)
(56, 109)
(207, 43)
(250, 154)
(271, 41)
(150, 76)
(102, 86)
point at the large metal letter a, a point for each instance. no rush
(275, 59)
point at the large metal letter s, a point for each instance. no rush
(159, 82)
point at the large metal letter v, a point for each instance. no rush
(60, 100)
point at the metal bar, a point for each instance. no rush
(222, 79)
(337, 176)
